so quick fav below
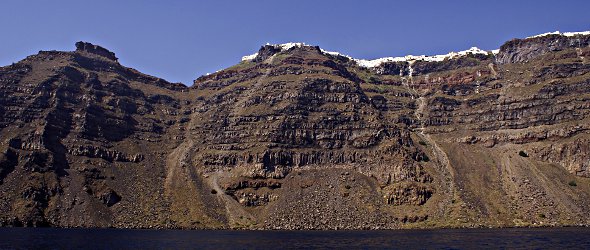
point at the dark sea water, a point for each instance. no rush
(51, 238)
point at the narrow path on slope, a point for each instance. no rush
(493, 70)
(438, 155)
(237, 216)
(241, 103)
(183, 177)
(579, 52)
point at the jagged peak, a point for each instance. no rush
(95, 49)
(281, 47)
(567, 34)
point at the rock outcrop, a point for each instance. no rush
(523, 50)
(95, 49)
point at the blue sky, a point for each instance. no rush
(181, 40)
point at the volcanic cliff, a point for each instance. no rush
(295, 137)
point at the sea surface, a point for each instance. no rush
(53, 238)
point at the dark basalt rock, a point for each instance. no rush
(409, 195)
(8, 161)
(265, 52)
(110, 198)
(393, 68)
(109, 155)
(471, 60)
(95, 49)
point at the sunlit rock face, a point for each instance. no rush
(296, 137)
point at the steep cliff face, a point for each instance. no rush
(523, 50)
(515, 135)
(294, 137)
(83, 141)
(302, 111)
